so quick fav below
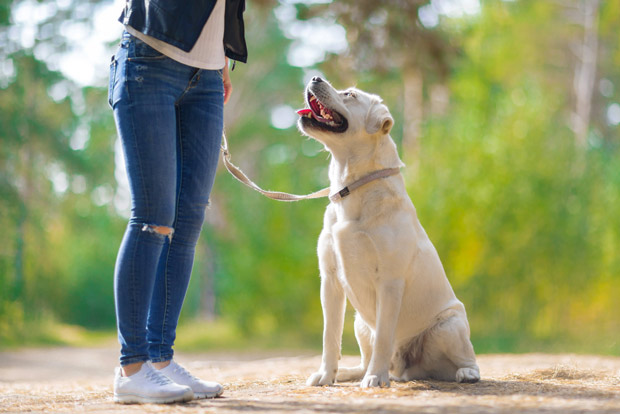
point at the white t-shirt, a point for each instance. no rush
(207, 53)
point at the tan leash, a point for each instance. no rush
(280, 196)
(276, 195)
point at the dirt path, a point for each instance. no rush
(80, 380)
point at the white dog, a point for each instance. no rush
(374, 251)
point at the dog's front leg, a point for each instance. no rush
(333, 302)
(389, 299)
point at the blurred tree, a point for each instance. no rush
(586, 53)
(518, 226)
(389, 37)
(56, 144)
(34, 142)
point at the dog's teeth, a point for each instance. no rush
(312, 98)
(325, 113)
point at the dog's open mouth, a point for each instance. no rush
(320, 116)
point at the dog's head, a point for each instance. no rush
(333, 116)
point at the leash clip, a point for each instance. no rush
(344, 192)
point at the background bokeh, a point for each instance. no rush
(507, 116)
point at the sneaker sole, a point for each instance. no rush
(140, 399)
(207, 395)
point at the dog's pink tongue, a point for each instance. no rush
(304, 112)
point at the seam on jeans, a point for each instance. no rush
(164, 322)
(174, 225)
(148, 213)
(189, 86)
(146, 59)
(135, 145)
(133, 360)
(134, 306)
(176, 214)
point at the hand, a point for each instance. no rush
(227, 83)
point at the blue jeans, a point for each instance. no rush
(169, 117)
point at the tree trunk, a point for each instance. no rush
(207, 294)
(585, 72)
(18, 283)
(413, 110)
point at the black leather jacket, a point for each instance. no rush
(179, 22)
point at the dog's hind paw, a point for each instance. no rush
(321, 378)
(470, 374)
(375, 381)
(351, 374)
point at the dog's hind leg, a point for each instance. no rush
(458, 361)
(364, 336)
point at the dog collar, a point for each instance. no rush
(362, 181)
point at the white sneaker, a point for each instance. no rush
(149, 386)
(202, 389)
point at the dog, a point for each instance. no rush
(374, 252)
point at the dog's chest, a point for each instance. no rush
(348, 211)
(357, 265)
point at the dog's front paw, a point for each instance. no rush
(470, 374)
(381, 380)
(321, 378)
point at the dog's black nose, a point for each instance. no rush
(317, 79)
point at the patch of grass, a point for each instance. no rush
(48, 332)
(222, 334)
(197, 335)
(225, 335)
(518, 344)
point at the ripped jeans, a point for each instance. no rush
(169, 117)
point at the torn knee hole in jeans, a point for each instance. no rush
(162, 230)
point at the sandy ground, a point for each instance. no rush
(80, 380)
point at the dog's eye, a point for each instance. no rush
(350, 94)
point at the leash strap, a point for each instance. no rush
(280, 196)
(275, 195)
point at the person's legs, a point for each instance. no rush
(199, 130)
(144, 90)
(170, 119)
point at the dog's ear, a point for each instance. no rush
(379, 118)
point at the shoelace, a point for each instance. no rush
(158, 378)
(178, 368)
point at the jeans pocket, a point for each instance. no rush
(112, 83)
(144, 52)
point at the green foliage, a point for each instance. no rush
(59, 249)
(523, 218)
